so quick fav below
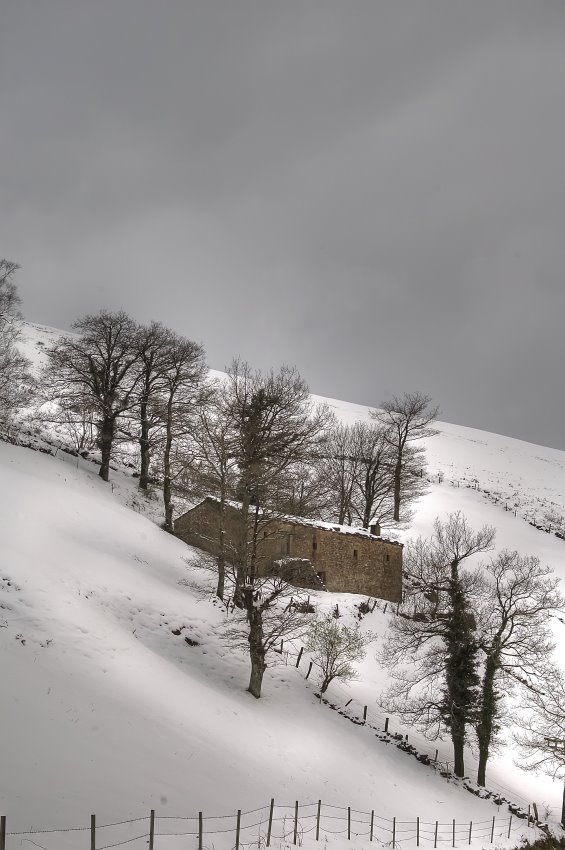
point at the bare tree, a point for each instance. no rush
(75, 423)
(305, 493)
(265, 621)
(152, 343)
(184, 391)
(358, 468)
(97, 370)
(339, 465)
(372, 473)
(433, 655)
(405, 419)
(541, 734)
(276, 428)
(519, 596)
(16, 383)
(335, 648)
(212, 469)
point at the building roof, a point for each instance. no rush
(294, 520)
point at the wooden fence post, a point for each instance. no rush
(309, 669)
(348, 701)
(295, 822)
(492, 830)
(299, 656)
(349, 823)
(470, 830)
(386, 724)
(269, 828)
(318, 813)
(509, 826)
(237, 829)
(364, 714)
(372, 823)
(92, 832)
(393, 833)
(199, 830)
(528, 814)
(151, 829)
(435, 836)
(417, 832)
(3, 832)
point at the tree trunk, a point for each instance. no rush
(105, 441)
(256, 649)
(220, 587)
(483, 758)
(167, 469)
(144, 446)
(343, 503)
(397, 479)
(486, 716)
(458, 738)
(243, 554)
(460, 674)
(252, 559)
(367, 511)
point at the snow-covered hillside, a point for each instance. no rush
(105, 709)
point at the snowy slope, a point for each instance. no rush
(105, 710)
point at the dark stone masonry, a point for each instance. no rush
(306, 553)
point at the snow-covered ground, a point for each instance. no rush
(106, 710)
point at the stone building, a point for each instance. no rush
(309, 554)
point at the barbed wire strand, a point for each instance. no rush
(126, 841)
(121, 822)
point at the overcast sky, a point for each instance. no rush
(371, 191)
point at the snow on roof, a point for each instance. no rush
(312, 523)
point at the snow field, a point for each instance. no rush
(105, 710)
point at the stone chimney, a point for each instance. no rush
(375, 529)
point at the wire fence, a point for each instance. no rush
(274, 823)
(388, 731)
(545, 517)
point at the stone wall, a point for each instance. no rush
(345, 561)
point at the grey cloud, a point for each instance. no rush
(372, 191)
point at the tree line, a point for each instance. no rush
(114, 384)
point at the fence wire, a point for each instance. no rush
(280, 822)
